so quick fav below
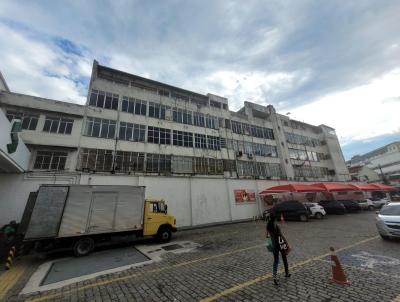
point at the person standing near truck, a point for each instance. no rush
(279, 245)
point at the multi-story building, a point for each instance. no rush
(384, 161)
(133, 128)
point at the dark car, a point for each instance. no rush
(333, 207)
(351, 206)
(291, 210)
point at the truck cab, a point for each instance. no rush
(156, 221)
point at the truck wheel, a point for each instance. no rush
(371, 208)
(164, 234)
(83, 247)
(318, 215)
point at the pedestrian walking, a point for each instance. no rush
(279, 245)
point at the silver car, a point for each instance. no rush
(388, 221)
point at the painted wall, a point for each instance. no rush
(193, 200)
(20, 158)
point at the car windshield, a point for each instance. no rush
(390, 210)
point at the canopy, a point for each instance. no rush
(292, 188)
(383, 187)
(334, 186)
(363, 187)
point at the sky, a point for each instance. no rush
(326, 62)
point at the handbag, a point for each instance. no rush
(283, 245)
(268, 244)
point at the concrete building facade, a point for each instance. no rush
(384, 161)
(186, 147)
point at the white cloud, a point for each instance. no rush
(37, 67)
(359, 113)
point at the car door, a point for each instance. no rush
(290, 209)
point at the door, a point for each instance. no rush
(154, 217)
(102, 214)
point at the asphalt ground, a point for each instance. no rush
(232, 264)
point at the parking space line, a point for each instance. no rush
(116, 279)
(269, 275)
(10, 278)
(363, 269)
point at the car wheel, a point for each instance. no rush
(371, 208)
(385, 237)
(303, 218)
(319, 216)
(83, 247)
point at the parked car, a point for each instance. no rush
(316, 210)
(333, 207)
(366, 204)
(351, 206)
(291, 210)
(388, 221)
(380, 202)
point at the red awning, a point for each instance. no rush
(363, 187)
(382, 187)
(292, 188)
(334, 186)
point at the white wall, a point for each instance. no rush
(193, 200)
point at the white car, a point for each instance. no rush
(379, 203)
(316, 210)
(366, 204)
(388, 221)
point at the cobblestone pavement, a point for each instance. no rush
(234, 265)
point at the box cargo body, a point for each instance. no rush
(61, 211)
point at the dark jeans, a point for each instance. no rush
(276, 252)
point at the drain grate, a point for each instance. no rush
(172, 247)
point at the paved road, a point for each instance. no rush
(233, 265)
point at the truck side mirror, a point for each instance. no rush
(165, 209)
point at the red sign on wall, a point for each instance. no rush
(244, 196)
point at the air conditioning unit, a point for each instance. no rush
(239, 153)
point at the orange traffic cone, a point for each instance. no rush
(282, 219)
(338, 275)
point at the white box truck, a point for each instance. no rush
(79, 216)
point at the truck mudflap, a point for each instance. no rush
(174, 229)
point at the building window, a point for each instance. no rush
(212, 122)
(132, 132)
(158, 110)
(181, 138)
(198, 119)
(103, 99)
(129, 161)
(213, 142)
(58, 125)
(97, 127)
(50, 160)
(200, 141)
(29, 121)
(134, 106)
(182, 164)
(157, 135)
(158, 163)
(96, 159)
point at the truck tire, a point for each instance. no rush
(83, 246)
(164, 234)
(371, 208)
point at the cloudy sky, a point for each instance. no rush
(330, 62)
